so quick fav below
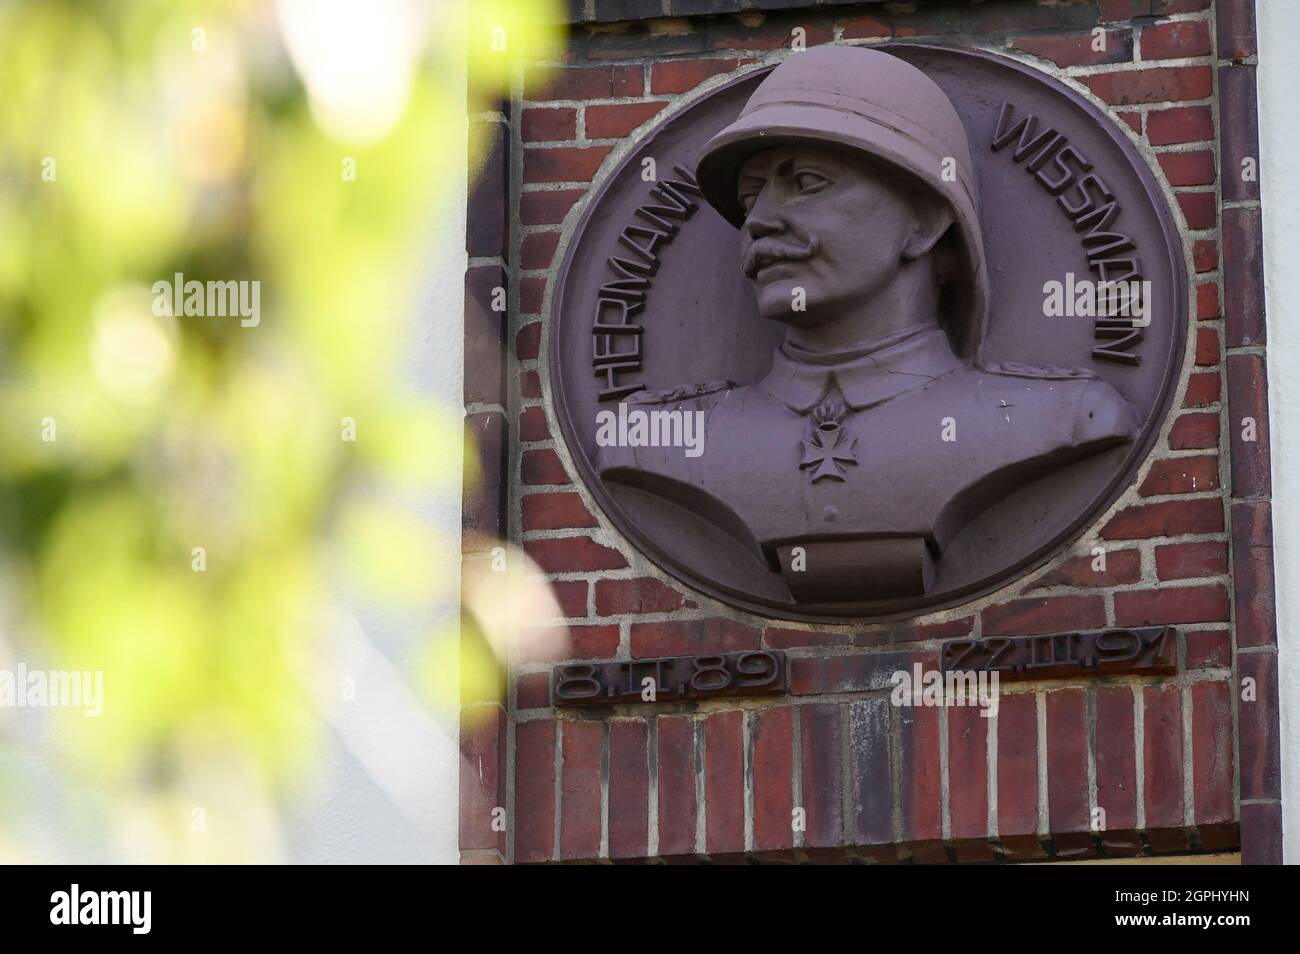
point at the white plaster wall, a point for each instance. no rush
(1279, 129)
(385, 788)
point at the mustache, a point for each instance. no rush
(768, 251)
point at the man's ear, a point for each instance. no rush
(933, 219)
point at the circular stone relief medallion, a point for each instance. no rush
(870, 333)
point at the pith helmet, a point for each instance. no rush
(866, 101)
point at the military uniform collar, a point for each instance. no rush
(800, 379)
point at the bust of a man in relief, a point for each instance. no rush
(880, 430)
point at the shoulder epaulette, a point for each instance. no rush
(1017, 369)
(684, 393)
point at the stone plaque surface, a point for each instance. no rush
(832, 353)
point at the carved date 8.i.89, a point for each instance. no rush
(667, 679)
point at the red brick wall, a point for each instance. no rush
(1178, 763)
